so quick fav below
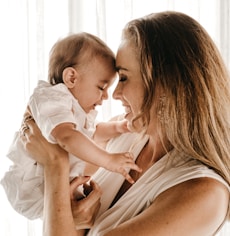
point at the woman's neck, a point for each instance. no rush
(150, 154)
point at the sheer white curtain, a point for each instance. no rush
(28, 30)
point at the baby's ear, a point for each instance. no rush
(69, 76)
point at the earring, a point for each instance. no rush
(161, 108)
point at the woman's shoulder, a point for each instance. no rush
(207, 189)
(201, 201)
(196, 186)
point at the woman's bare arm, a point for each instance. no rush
(195, 207)
(58, 218)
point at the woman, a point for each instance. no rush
(175, 88)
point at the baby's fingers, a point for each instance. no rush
(130, 162)
(127, 176)
(129, 155)
(134, 166)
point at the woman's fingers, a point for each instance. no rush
(39, 148)
(85, 210)
(96, 192)
(87, 189)
(75, 193)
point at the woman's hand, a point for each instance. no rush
(85, 210)
(39, 148)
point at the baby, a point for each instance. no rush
(81, 70)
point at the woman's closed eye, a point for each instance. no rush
(122, 78)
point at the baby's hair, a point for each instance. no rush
(76, 50)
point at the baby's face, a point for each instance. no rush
(93, 83)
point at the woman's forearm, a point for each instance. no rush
(58, 219)
(58, 196)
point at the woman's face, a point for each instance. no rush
(130, 86)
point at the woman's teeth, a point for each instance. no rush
(127, 110)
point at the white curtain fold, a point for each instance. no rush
(29, 28)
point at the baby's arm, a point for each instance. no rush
(81, 146)
(108, 130)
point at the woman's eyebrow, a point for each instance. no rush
(118, 68)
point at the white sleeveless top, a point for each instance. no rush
(170, 170)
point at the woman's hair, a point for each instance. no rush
(178, 58)
(77, 50)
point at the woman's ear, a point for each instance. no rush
(69, 76)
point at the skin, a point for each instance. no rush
(186, 209)
(127, 86)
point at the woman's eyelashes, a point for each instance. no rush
(122, 78)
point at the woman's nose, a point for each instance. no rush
(117, 93)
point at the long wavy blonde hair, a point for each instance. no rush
(177, 55)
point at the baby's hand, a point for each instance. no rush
(122, 163)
